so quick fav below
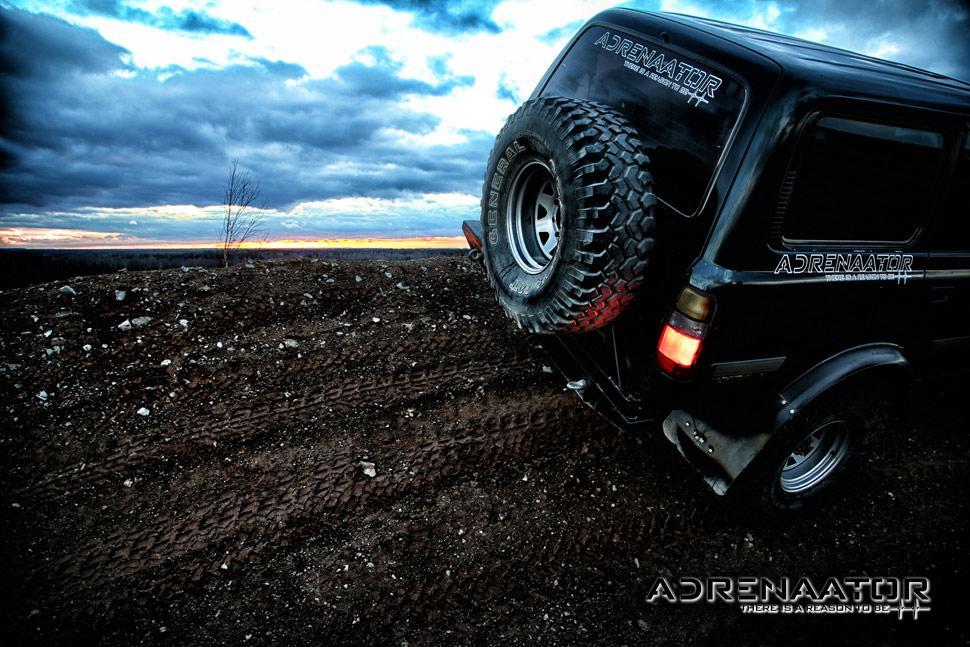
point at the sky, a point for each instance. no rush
(365, 123)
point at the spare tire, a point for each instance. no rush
(567, 215)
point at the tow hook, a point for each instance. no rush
(476, 255)
(577, 385)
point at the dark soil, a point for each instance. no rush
(240, 511)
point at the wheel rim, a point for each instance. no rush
(816, 459)
(534, 219)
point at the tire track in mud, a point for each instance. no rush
(250, 423)
(671, 532)
(346, 356)
(238, 524)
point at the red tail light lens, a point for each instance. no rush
(677, 349)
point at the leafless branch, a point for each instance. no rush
(242, 218)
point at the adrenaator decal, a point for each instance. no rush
(849, 266)
(662, 67)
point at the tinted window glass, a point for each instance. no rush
(684, 110)
(953, 233)
(861, 181)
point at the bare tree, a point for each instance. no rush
(242, 219)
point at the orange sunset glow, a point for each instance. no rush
(47, 238)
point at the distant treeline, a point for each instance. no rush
(20, 267)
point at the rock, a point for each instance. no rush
(42, 396)
(388, 274)
(401, 286)
(358, 279)
(376, 319)
(86, 348)
(128, 483)
(143, 412)
(48, 333)
(368, 469)
(166, 362)
(67, 289)
(547, 369)
(291, 343)
(308, 296)
(125, 325)
(184, 323)
(140, 322)
(119, 295)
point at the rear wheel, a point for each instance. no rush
(810, 457)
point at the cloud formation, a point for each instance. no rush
(164, 18)
(366, 117)
(932, 35)
(87, 129)
(447, 16)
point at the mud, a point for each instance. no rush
(241, 509)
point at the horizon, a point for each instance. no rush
(362, 120)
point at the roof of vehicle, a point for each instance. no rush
(823, 65)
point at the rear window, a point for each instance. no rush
(684, 110)
(862, 181)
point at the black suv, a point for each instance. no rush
(756, 240)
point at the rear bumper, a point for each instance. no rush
(473, 233)
(719, 427)
(594, 386)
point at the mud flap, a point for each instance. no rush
(719, 457)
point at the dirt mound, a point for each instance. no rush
(310, 452)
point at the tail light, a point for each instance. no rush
(683, 334)
(678, 348)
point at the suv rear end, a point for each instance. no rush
(809, 255)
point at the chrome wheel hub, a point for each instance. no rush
(533, 219)
(816, 458)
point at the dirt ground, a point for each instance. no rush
(299, 452)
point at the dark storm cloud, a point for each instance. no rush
(85, 130)
(447, 16)
(933, 35)
(41, 46)
(164, 18)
